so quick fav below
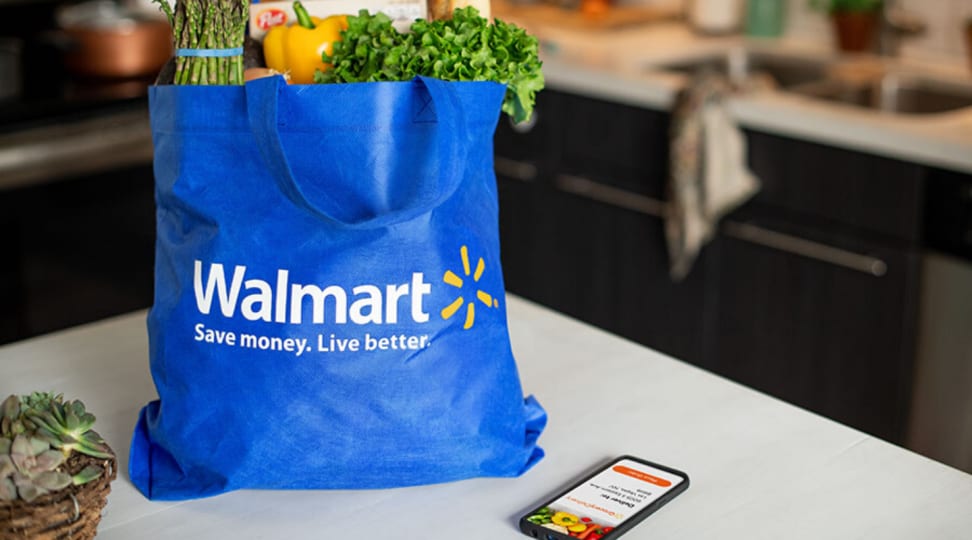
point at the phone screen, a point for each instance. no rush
(605, 501)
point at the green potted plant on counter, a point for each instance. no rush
(855, 21)
(55, 471)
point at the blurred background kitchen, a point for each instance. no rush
(836, 270)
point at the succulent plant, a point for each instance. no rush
(37, 434)
(32, 467)
(66, 426)
(10, 422)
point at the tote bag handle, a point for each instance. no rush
(448, 145)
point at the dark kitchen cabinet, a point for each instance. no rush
(582, 233)
(521, 154)
(612, 174)
(794, 321)
(11, 326)
(807, 293)
(576, 257)
(814, 285)
(76, 250)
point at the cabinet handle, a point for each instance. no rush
(806, 248)
(517, 170)
(596, 191)
(629, 200)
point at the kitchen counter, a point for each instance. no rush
(626, 66)
(760, 468)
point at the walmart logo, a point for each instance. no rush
(450, 278)
(284, 300)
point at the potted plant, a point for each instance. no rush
(55, 471)
(855, 21)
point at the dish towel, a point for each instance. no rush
(708, 174)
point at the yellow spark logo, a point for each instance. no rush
(451, 278)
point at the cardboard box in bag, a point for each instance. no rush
(266, 15)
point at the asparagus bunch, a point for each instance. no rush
(208, 24)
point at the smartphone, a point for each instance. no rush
(606, 503)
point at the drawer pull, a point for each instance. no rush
(596, 191)
(806, 248)
(516, 170)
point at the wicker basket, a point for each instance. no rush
(71, 513)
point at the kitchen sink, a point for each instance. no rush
(899, 93)
(741, 64)
(866, 85)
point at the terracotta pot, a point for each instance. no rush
(855, 30)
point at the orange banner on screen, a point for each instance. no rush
(628, 471)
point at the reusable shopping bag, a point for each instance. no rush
(329, 307)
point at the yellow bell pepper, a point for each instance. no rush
(298, 49)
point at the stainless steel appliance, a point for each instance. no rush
(941, 419)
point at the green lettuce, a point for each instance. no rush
(464, 48)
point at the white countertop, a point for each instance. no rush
(760, 468)
(624, 66)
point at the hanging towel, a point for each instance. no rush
(708, 174)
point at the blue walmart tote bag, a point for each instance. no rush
(329, 308)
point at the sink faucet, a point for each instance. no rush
(896, 23)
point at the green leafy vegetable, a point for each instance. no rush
(464, 48)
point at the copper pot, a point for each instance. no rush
(103, 41)
(141, 49)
